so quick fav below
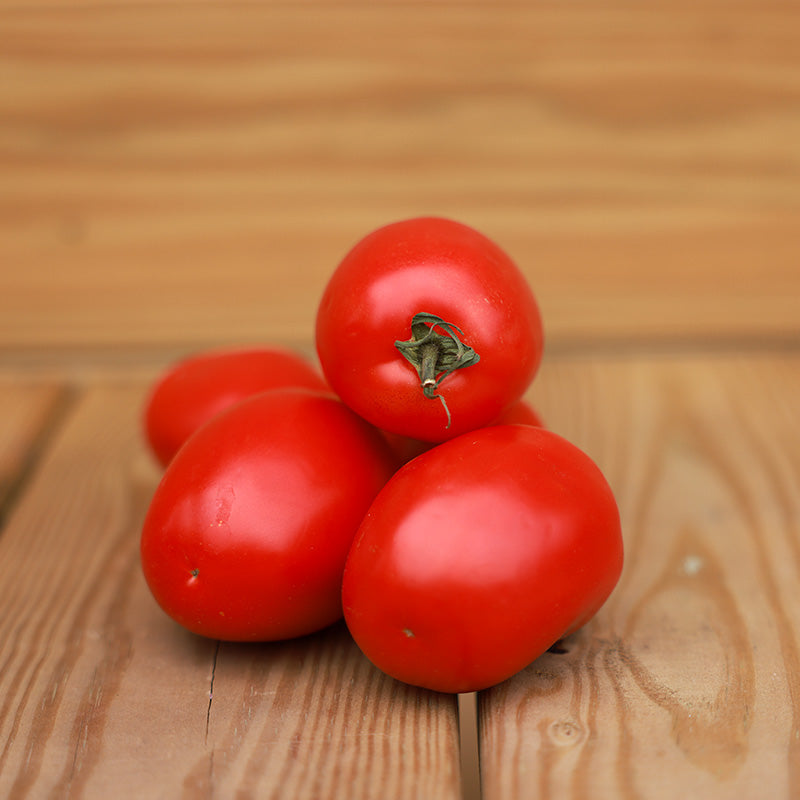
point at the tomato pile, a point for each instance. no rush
(406, 486)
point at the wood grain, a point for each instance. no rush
(190, 173)
(102, 695)
(687, 684)
(27, 411)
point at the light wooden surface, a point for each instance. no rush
(189, 172)
(183, 174)
(687, 684)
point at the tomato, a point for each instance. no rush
(478, 555)
(406, 449)
(521, 413)
(193, 390)
(247, 533)
(428, 329)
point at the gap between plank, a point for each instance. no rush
(211, 689)
(65, 401)
(468, 746)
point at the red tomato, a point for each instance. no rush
(247, 533)
(192, 391)
(427, 329)
(521, 413)
(479, 555)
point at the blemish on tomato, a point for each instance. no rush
(225, 499)
(408, 632)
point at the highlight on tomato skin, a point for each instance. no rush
(480, 554)
(247, 533)
(428, 329)
(191, 391)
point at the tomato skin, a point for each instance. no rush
(196, 388)
(478, 555)
(247, 533)
(521, 413)
(441, 267)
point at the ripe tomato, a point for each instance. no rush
(521, 413)
(479, 555)
(423, 310)
(192, 391)
(247, 533)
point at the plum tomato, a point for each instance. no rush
(428, 329)
(478, 555)
(521, 412)
(247, 533)
(196, 388)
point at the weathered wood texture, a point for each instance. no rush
(26, 410)
(687, 684)
(191, 172)
(101, 695)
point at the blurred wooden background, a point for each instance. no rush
(189, 173)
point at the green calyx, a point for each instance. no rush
(435, 351)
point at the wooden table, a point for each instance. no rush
(181, 175)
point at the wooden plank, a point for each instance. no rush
(687, 684)
(102, 695)
(27, 410)
(192, 172)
